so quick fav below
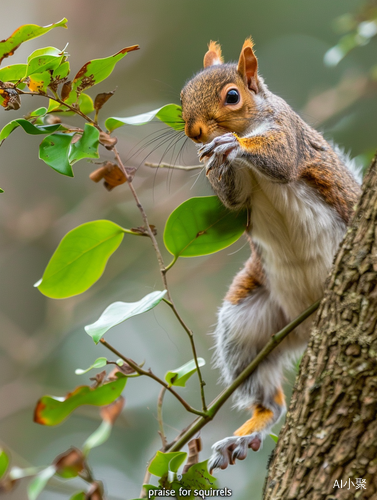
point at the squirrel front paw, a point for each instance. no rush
(221, 151)
(226, 451)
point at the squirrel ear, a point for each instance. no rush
(248, 65)
(213, 56)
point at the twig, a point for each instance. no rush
(72, 108)
(150, 374)
(215, 406)
(176, 167)
(159, 417)
(163, 275)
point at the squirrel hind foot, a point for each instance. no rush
(228, 450)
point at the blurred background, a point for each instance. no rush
(316, 55)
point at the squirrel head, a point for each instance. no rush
(221, 97)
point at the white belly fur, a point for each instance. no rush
(298, 235)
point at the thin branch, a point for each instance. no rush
(159, 417)
(224, 396)
(71, 108)
(150, 374)
(193, 348)
(175, 167)
(163, 275)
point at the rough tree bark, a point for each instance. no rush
(331, 428)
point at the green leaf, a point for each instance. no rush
(39, 112)
(28, 127)
(85, 104)
(198, 477)
(39, 483)
(86, 146)
(1, 190)
(179, 376)
(46, 59)
(98, 363)
(38, 82)
(23, 34)
(13, 73)
(201, 226)
(54, 150)
(62, 71)
(52, 411)
(80, 259)
(99, 436)
(148, 488)
(274, 437)
(97, 70)
(171, 114)
(79, 496)
(121, 311)
(165, 462)
(4, 462)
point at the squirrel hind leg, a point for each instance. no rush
(250, 435)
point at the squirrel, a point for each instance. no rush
(300, 192)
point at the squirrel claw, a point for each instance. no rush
(228, 450)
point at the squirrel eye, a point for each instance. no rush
(232, 97)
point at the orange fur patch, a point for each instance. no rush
(247, 280)
(279, 397)
(248, 43)
(257, 422)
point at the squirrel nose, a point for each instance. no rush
(196, 132)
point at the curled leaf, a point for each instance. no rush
(28, 127)
(101, 99)
(111, 174)
(98, 363)
(165, 462)
(171, 114)
(179, 376)
(52, 411)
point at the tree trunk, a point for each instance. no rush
(328, 446)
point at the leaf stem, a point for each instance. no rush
(150, 374)
(218, 402)
(171, 264)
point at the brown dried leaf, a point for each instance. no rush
(194, 446)
(66, 89)
(95, 492)
(111, 412)
(101, 99)
(99, 378)
(7, 484)
(11, 98)
(111, 174)
(69, 463)
(107, 141)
